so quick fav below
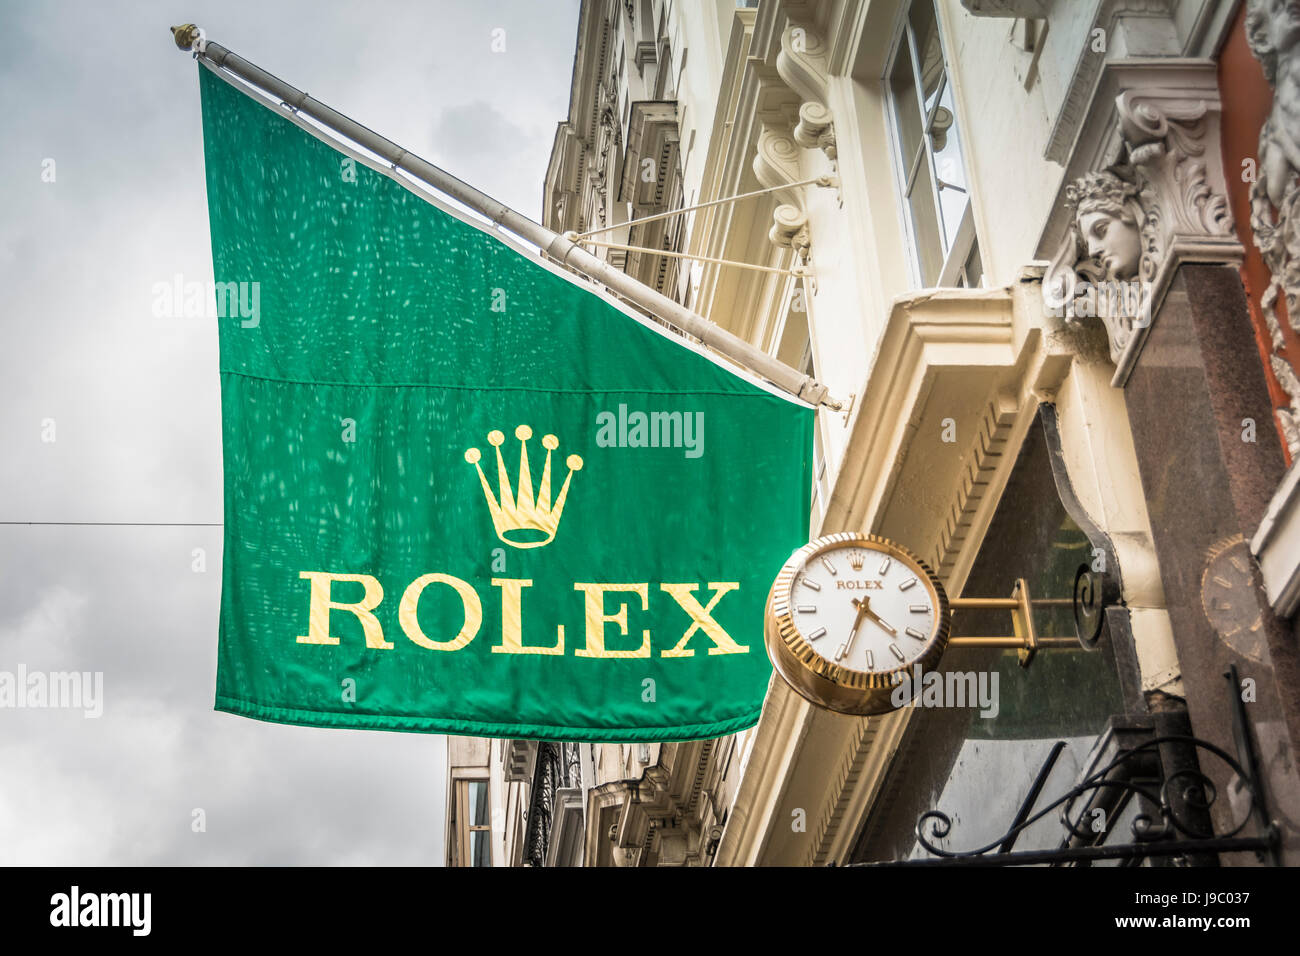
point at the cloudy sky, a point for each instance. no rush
(132, 405)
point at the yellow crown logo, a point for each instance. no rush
(522, 520)
(857, 559)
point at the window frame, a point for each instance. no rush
(955, 253)
(464, 828)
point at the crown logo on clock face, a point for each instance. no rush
(856, 560)
(521, 518)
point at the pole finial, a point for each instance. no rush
(186, 36)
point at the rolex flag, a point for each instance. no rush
(466, 492)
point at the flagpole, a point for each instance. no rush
(559, 248)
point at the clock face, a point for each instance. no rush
(1230, 598)
(863, 608)
(848, 614)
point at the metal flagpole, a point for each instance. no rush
(564, 251)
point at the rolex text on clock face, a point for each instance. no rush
(863, 609)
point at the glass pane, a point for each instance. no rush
(925, 30)
(925, 227)
(907, 111)
(480, 850)
(478, 804)
(946, 145)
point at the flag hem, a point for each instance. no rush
(438, 725)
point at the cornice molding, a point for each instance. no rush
(925, 331)
(1090, 64)
(980, 465)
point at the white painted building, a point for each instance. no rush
(997, 439)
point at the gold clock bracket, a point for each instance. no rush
(1025, 640)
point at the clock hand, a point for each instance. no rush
(863, 611)
(865, 607)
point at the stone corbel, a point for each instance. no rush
(1144, 193)
(776, 164)
(790, 229)
(1165, 135)
(802, 65)
(816, 129)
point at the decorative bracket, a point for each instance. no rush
(1087, 603)
(790, 229)
(803, 65)
(1148, 196)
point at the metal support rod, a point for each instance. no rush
(1013, 643)
(824, 181)
(561, 250)
(1008, 604)
(687, 255)
(1027, 805)
(1026, 639)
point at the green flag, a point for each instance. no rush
(465, 492)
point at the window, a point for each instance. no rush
(472, 827)
(796, 350)
(928, 159)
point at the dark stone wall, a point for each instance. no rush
(1198, 378)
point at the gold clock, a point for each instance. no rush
(848, 615)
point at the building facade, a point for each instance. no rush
(1044, 245)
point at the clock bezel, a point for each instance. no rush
(823, 682)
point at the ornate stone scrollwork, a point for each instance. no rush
(1132, 222)
(776, 162)
(1166, 142)
(802, 64)
(1275, 41)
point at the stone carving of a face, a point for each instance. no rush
(1112, 240)
(1106, 258)
(1107, 228)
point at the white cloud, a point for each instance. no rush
(138, 429)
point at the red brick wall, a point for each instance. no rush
(1247, 99)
